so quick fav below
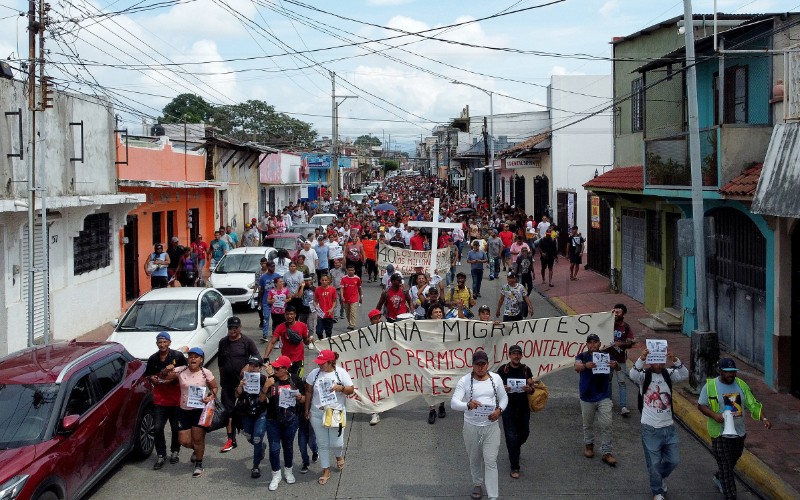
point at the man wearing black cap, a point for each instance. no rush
(518, 383)
(234, 351)
(723, 394)
(166, 397)
(480, 395)
(595, 394)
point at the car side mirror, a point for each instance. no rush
(69, 423)
(210, 322)
(115, 322)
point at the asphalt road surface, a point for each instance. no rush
(405, 457)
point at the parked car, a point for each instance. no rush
(194, 317)
(358, 197)
(307, 230)
(234, 276)
(291, 242)
(68, 413)
(323, 220)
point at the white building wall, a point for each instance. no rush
(580, 149)
(516, 126)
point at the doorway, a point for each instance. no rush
(796, 311)
(131, 264)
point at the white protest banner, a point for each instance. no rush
(656, 351)
(406, 260)
(392, 363)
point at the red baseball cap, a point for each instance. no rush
(282, 362)
(325, 356)
(373, 313)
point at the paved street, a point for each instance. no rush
(405, 457)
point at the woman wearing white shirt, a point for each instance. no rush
(340, 383)
(480, 394)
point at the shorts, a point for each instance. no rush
(547, 263)
(188, 419)
(576, 259)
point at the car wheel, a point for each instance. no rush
(144, 439)
(48, 495)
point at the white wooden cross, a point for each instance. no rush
(435, 225)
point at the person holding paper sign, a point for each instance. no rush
(518, 383)
(480, 395)
(278, 298)
(659, 436)
(595, 395)
(252, 402)
(327, 387)
(198, 387)
(623, 340)
(282, 421)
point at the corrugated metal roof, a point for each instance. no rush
(534, 143)
(618, 179)
(744, 184)
(776, 193)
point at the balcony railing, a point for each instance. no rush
(667, 163)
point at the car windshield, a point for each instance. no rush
(239, 263)
(25, 410)
(323, 219)
(286, 243)
(157, 315)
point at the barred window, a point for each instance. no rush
(637, 105)
(92, 247)
(654, 237)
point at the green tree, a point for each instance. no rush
(389, 165)
(367, 141)
(188, 108)
(258, 121)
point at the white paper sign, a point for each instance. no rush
(516, 384)
(287, 397)
(602, 362)
(320, 312)
(196, 395)
(657, 351)
(252, 382)
(326, 395)
(483, 411)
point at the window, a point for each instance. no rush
(653, 237)
(637, 105)
(172, 224)
(80, 397)
(211, 303)
(109, 375)
(92, 247)
(736, 94)
(157, 216)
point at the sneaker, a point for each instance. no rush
(175, 457)
(228, 446)
(159, 462)
(716, 482)
(198, 471)
(304, 469)
(658, 497)
(625, 411)
(314, 457)
(375, 419)
(255, 473)
(442, 413)
(276, 480)
(289, 475)
(432, 416)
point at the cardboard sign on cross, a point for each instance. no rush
(435, 225)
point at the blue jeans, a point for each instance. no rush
(460, 246)
(254, 429)
(266, 310)
(477, 277)
(623, 387)
(306, 439)
(280, 433)
(661, 454)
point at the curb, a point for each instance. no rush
(750, 469)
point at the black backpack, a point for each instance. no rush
(648, 376)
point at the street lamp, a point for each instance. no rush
(491, 133)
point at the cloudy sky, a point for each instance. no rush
(398, 57)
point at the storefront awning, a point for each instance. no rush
(776, 193)
(175, 184)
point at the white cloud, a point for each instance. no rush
(561, 70)
(608, 8)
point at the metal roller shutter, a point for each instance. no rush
(39, 295)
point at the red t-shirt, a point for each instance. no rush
(417, 242)
(292, 351)
(507, 237)
(325, 297)
(350, 288)
(395, 302)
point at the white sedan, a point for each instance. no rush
(235, 275)
(323, 220)
(194, 317)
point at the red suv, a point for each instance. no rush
(68, 413)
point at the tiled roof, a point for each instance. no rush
(743, 184)
(538, 141)
(619, 178)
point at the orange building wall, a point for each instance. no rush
(160, 163)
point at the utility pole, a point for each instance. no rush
(333, 173)
(704, 342)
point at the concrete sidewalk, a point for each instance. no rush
(771, 462)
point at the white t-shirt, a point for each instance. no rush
(329, 379)
(335, 251)
(310, 256)
(490, 393)
(657, 402)
(543, 227)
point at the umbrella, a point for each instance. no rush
(465, 210)
(385, 206)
